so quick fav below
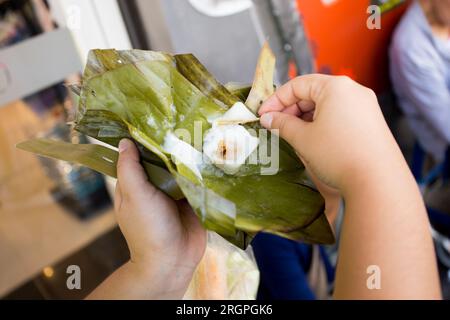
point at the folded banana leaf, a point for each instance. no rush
(263, 82)
(146, 96)
(239, 90)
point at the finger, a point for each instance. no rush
(300, 108)
(293, 110)
(306, 106)
(130, 173)
(117, 198)
(289, 127)
(307, 88)
(308, 116)
(331, 196)
(189, 218)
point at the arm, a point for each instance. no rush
(337, 128)
(386, 225)
(136, 281)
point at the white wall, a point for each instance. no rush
(155, 25)
(95, 24)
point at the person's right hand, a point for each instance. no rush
(337, 128)
(334, 124)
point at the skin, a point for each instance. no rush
(438, 16)
(338, 130)
(165, 238)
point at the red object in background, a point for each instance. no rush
(343, 45)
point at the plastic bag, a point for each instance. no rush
(225, 273)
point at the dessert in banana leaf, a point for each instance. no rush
(196, 137)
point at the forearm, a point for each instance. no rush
(386, 225)
(140, 282)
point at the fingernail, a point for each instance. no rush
(266, 120)
(123, 145)
(270, 104)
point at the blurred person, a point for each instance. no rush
(337, 129)
(420, 72)
(291, 270)
(294, 270)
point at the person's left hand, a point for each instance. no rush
(164, 236)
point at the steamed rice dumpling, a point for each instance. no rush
(198, 139)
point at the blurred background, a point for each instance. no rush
(53, 214)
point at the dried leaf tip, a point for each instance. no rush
(263, 86)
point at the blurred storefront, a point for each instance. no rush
(54, 214)
(48, 209)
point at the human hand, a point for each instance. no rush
(165, 237)
(336, 127)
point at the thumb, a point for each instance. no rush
(287, 126)
(130, 173)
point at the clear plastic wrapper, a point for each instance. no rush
(225, 273)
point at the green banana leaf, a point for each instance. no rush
(239, 90)
(189, 66)
(146, 95)
(100, 159)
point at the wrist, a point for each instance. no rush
(384, 179)
(167, 281)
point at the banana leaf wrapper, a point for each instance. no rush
(143, 95)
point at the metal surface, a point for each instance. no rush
(269, 30)
(281, 25)
(228, 46)
(133, 22)
(293, 34)
(154, 25)
(36, 64)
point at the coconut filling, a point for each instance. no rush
(183, 152)
(228, 144)
(237, 114)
